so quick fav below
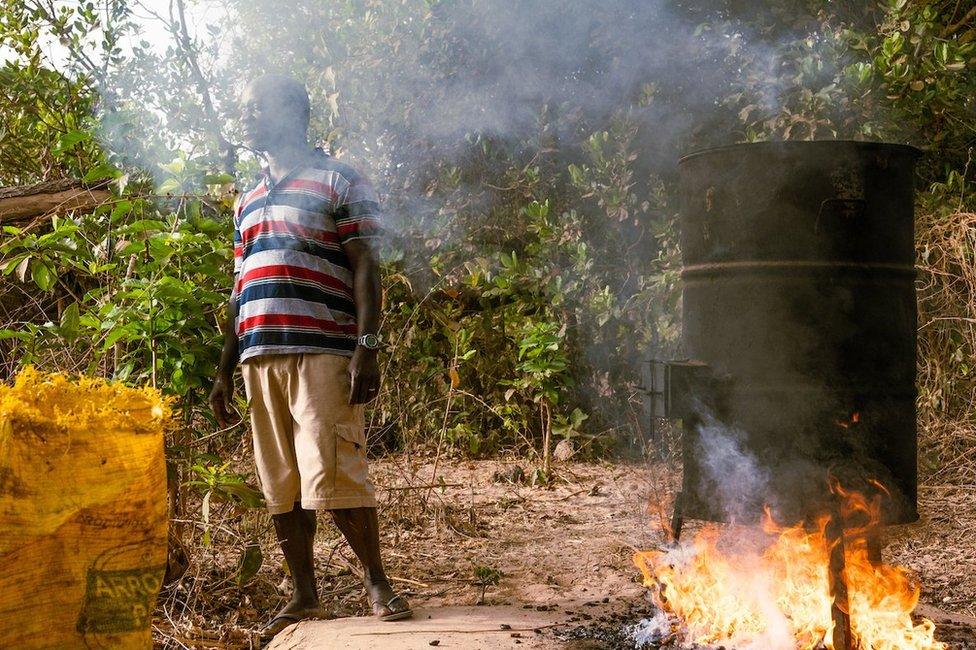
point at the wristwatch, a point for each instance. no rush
(369, 341)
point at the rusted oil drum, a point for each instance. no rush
(798, 292)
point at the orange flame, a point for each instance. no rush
(770, 588)
(854, 419)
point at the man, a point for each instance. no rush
(303, 319)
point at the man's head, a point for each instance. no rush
(275, 112)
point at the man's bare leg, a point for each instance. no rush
(296, 534)
(360, 527)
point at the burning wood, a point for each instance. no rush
(747, 588)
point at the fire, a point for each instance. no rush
(854, 419)
(769, 588)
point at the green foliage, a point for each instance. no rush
(484, 577)
(214, 479)
(141, 274)
(249, 564)
(45, 115)
(533, 258)
(907, 75)
(528, 271)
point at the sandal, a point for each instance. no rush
(287, 619)
(396, 616)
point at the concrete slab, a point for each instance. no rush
(470, 628)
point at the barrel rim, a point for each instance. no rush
(788, 144)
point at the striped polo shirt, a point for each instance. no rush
(293, 279)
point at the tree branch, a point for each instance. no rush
(953, 28)
(182, 35)
(21, 204)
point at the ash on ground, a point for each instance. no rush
(652, 632)
(653, 629)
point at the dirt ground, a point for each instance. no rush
(941, 547)
(568, 543)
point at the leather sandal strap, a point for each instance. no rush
(396, 597)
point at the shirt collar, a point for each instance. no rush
(318, 155)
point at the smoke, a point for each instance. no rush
(449, 104)
(462, 110)
(731, 475)
(409, 89)
(493, 69)
(418, 85)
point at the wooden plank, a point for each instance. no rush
(942, 618)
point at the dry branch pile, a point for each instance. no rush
(946, 262)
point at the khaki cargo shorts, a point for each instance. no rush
(309, 442)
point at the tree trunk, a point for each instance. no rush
(21, 204)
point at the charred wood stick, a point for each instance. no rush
(840, 608)
(677, 521)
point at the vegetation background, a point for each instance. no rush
(526, 158)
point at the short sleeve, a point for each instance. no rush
(358, 213)
(238, 241)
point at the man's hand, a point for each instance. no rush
(364, 376)
(220, 396)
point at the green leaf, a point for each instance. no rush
(249, 564)
(115, 335)
(70, 320)
(69, 140)
(100, 172)
(168, 186)
(217, 179)
(14, 263)
(247, 495)
(159, 249)
(175, 167)
(120, 210)
(146, 225)
(43, 276)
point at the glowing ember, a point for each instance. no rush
(770, 589)
(854, 419)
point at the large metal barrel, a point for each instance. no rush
(798, 292)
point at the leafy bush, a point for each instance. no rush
(133, 278)
(532, 261)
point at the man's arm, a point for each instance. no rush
(223, 388)
(364, 370)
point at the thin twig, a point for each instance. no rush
(419, 487)
(182, 36)
(447, 413)
(953, 28)
(479, 631)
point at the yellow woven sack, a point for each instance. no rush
(82, 512)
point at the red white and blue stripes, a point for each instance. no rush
(293, 279)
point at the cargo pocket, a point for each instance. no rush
(350, 458)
